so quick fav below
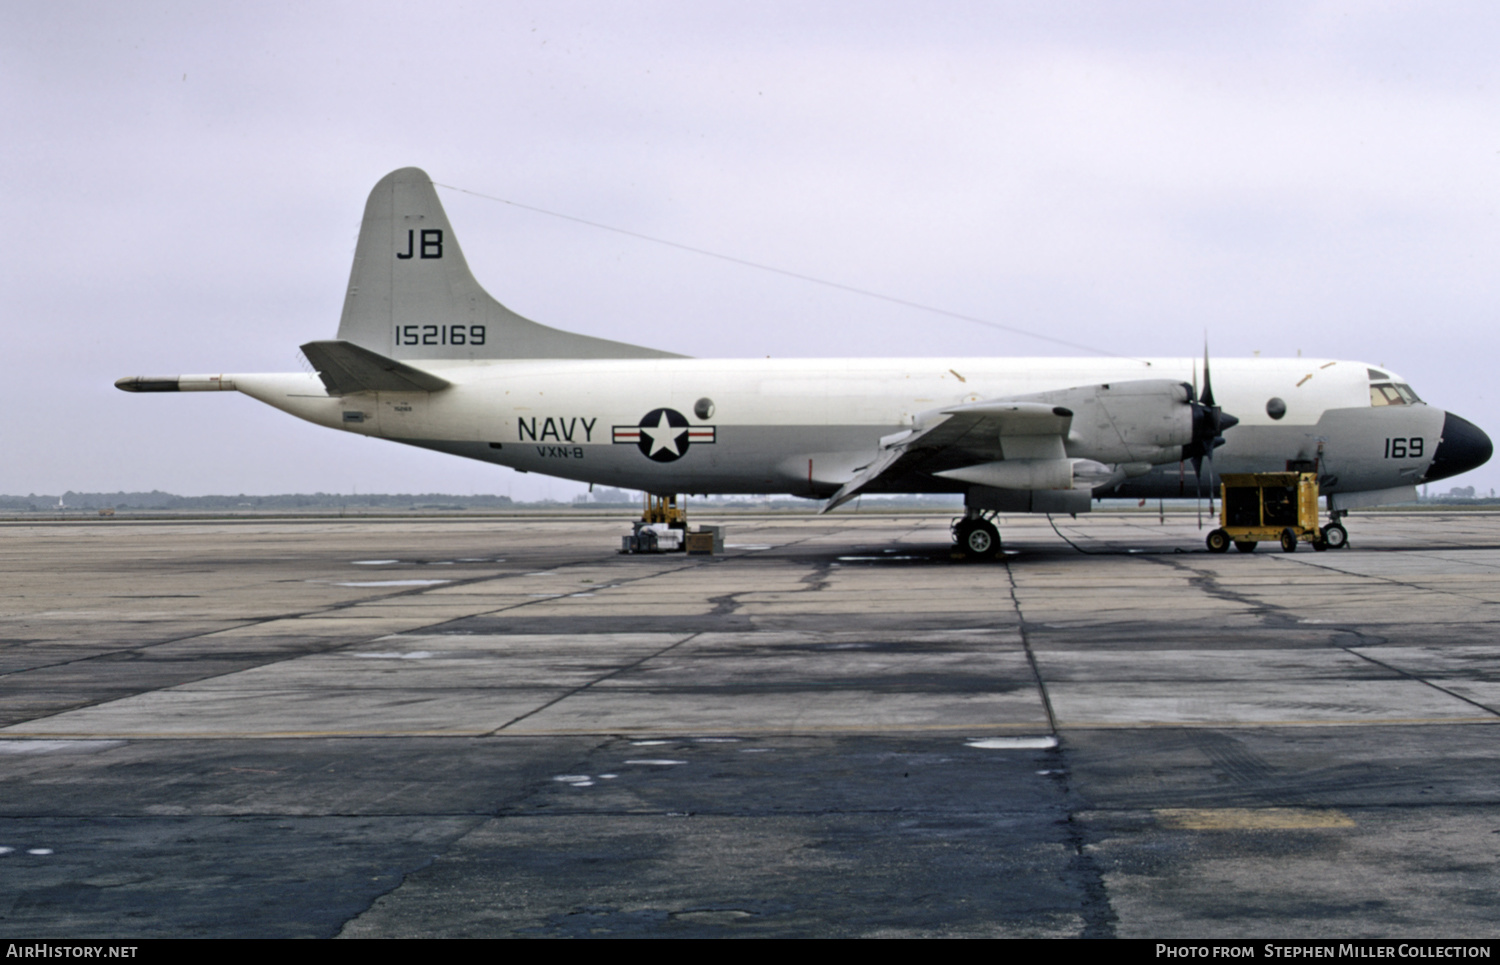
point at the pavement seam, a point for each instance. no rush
(1421, 680)
(1330, 568)
(597, 680)
(1036, 672)
(1209, 584)
(1095, 907)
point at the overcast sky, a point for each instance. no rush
(186, 183)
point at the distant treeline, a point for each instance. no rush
(157, 500)
(601, 497)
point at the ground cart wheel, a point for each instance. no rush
(1245, 545)
(1288, 541)
(1218, 541)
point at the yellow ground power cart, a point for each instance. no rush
(1272, 506)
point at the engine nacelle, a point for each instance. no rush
(1148, 420)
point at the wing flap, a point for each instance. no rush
(888, 456)
(967, 434)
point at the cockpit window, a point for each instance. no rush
(1392, 393)
(1378, 376)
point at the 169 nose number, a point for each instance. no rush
(1404, 448)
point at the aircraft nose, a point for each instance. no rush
(1463, 446)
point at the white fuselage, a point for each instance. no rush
(804, 426)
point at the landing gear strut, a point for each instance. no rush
(977, 537)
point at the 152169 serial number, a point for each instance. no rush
(440, 334)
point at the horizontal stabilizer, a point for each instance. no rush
(346, 368)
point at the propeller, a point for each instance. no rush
(1209, 423)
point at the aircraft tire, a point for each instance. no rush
(1336, 536)
(1288, 541)
(978, 539)
(1218, 541)
(1245, 545)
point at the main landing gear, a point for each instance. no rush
(977, 536)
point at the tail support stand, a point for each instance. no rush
(663, 528)
(663, 510)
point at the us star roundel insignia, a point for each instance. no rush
(663, 435)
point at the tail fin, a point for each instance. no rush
(411, 294)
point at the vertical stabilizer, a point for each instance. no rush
(411, 294)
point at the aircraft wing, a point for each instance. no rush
(346, 368)
(952, 438)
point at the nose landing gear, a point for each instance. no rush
(1335, 536)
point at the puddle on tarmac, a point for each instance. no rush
(1013, 743)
